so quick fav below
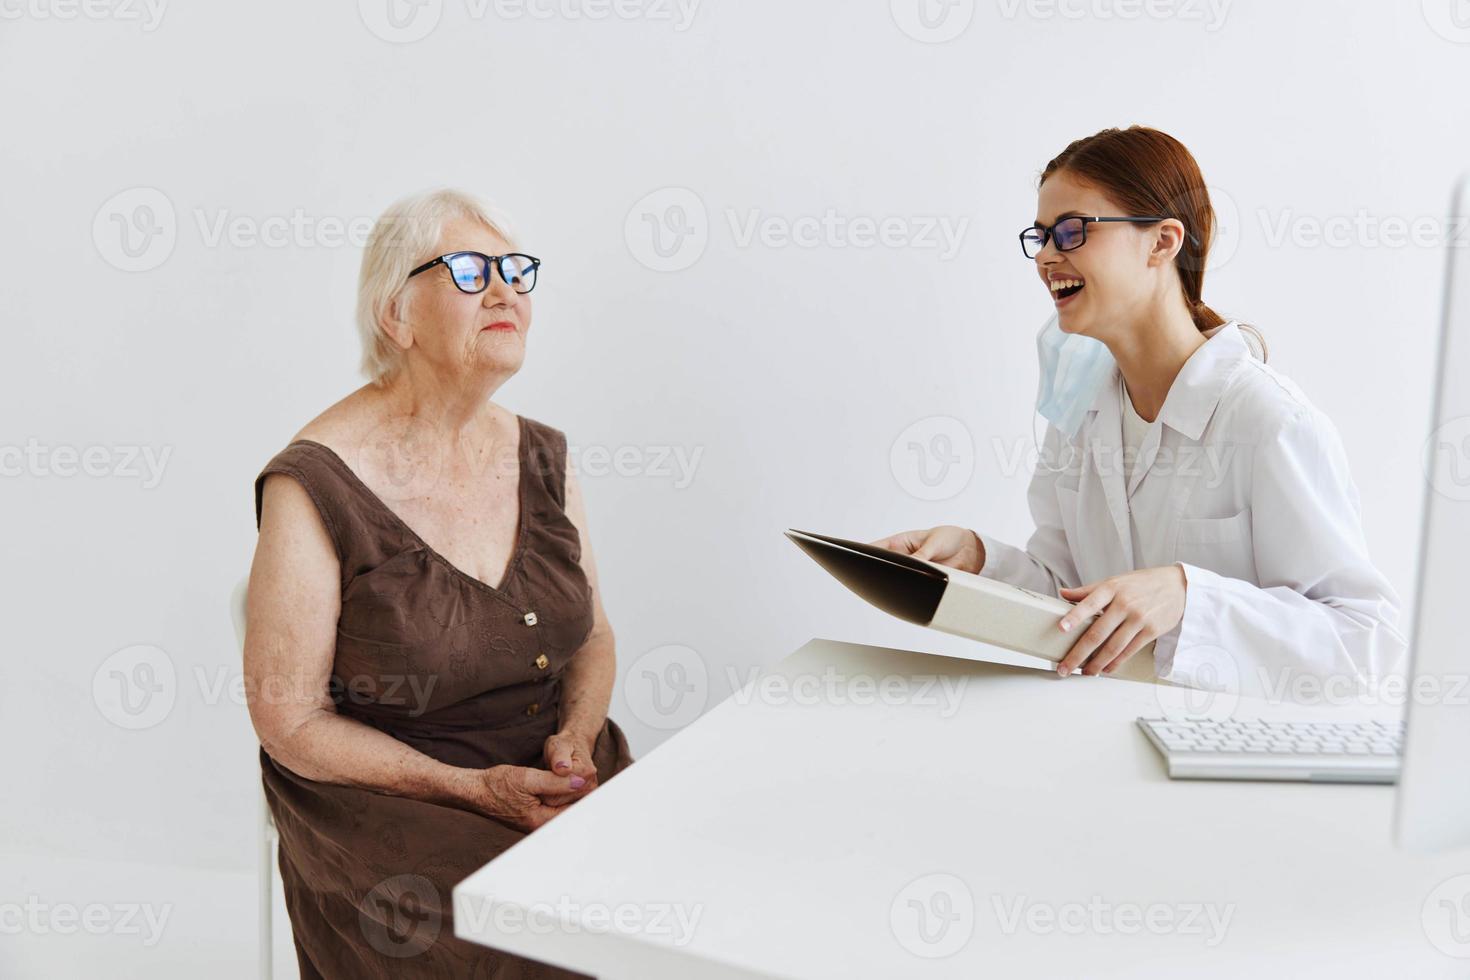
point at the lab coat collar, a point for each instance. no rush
(1191, 402)
(1196, 391)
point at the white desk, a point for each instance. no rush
(793, 829)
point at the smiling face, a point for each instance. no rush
(1123, 269)
(469, 333)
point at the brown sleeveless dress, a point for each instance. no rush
(462, 672)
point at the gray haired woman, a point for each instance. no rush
(427, 657)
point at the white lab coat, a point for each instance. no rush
(1245, 485)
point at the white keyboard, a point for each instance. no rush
(1327, 751)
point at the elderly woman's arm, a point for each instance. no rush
(291, 626)
(587, 680)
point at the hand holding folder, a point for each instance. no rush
(949, 599)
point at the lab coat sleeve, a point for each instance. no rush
(1322, 610)
(1046, 566)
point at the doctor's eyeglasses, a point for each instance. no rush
(1070, 233)
(471, 270)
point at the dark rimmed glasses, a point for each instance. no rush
(1070, 233)
(471, 270)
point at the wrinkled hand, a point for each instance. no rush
(1132, 609)
(956, 547)
(519, 796)
(569, 754)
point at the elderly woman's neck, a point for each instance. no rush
(457, 410)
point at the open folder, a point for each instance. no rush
(951, 600)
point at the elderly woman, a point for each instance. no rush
(427, 656)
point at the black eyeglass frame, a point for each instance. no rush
(1047, 232)
(491, 261)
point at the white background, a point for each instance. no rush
(788, 372)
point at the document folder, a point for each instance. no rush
(951, 600)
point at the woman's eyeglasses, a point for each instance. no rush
(1070, 233)
(471, 270)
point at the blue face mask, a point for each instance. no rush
(1074, 370)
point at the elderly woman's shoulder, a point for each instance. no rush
(342, 425)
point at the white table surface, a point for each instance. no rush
(802, 837)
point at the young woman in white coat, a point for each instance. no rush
(1187, 493)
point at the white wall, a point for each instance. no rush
(790, 370)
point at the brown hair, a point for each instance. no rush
(1149, 172)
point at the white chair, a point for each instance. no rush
(267, 837)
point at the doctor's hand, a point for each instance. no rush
(1132, 609)
(956, 547)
